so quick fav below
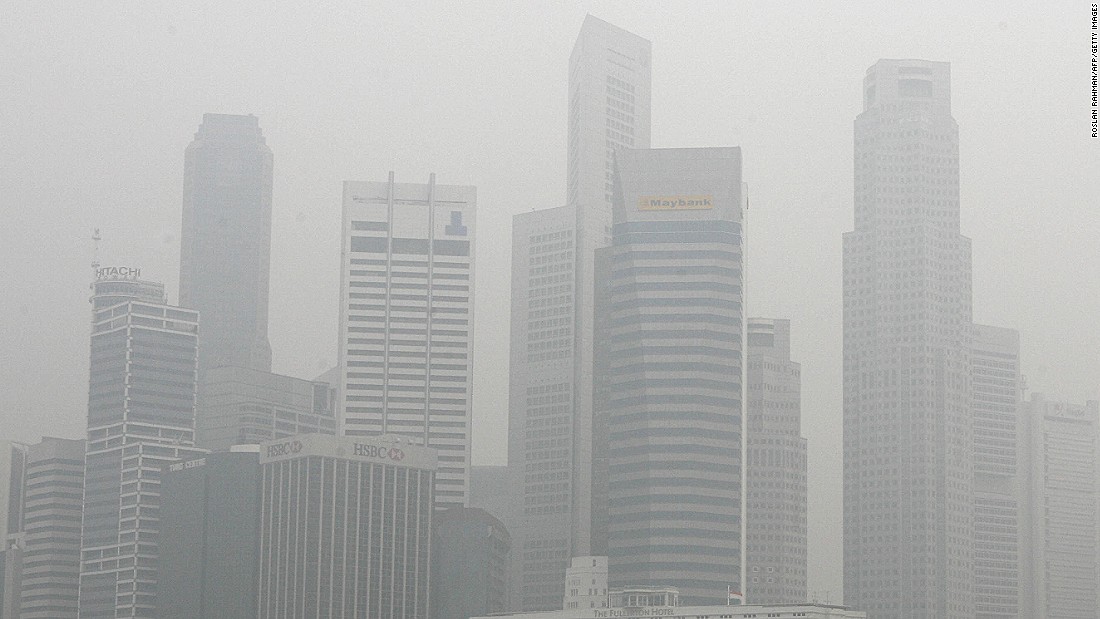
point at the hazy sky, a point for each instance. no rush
(99, 99)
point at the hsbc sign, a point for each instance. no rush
(284, 449)
(379, 452)
(383, 449)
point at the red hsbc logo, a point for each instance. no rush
(396, 454)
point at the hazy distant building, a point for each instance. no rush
(650, 602)
(242, 406)
(471, 551)
(669, 352)
(586, 583)
(998, 475)
(141, 416)
(345, 527)
(53, 497)
(775, 468)
(225, 242)
(550, 403)
(1062, 509)
(13, 458)
(209, 536)
(908, 469)
(406, 320)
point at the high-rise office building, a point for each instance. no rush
(210, 536)
(225, 244)
(998, 478)
(908, 492)
(13, 460)
(669, 353)
(471, 551)
(550, 405)
(1061, 509)
(345, 527)
(53, 496)
(775, 468)
(242, 406)
(141, 416)
(406, 320)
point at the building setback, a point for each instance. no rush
(471, 551)
(225, 241)
(242, 406)
(53, 496)
(550, 403)
(141, 416)
(13, 457)
(1062, 508)
(775, 468)
(668, 373)
(209, 547)
(345, 527)
(908, 464)
(406, 320)
(999, 477)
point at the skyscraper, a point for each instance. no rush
(225, 243)
(210, 536)
(141, 416)
(669, 353)
(775, 468)
(406, 320)
(53, 496)
(1061, 508)
(470, 556)
(999, 477)
(550, 402)
(908, 491)
(345, 527)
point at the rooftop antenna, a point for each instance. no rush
(96, 238)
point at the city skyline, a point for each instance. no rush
(297, 363)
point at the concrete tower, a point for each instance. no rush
(908, 492)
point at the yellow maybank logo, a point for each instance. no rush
(675, 203)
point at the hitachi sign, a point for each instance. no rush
(675, 203)
(117, 273)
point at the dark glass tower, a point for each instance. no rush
(668, 358)
(225, 243)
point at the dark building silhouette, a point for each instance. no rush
(225, 241)
(209, 528)
(470, 559)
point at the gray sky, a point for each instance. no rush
(99, 99)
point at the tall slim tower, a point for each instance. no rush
(550, 405)
(908, 509)
(669, 353)
(225, 243)
(406, 320)
(141, 416)
(775, 468)
(999, 477)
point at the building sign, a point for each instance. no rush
(387, 450)
(643, 611)
(379, 452)
(676, 203)
(284, 448)
(190, 464)
(117, 273)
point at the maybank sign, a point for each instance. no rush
(675, 203)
